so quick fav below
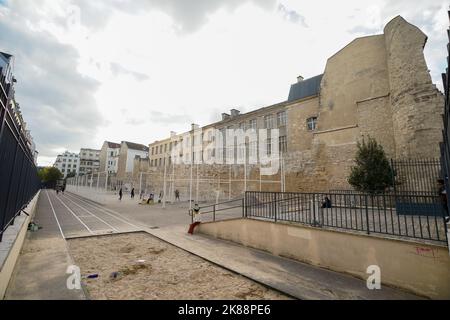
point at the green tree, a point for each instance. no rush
(372, 172)
(50, 175)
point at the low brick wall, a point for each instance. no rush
(420, 268)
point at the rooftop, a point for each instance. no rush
(305, 88)
(136, 146)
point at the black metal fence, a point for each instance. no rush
(416, 175)
(405, 216)
(445, 146)
(221, 211)
(19, 181)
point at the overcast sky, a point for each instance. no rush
(90, 71)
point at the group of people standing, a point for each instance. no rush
(151, 195)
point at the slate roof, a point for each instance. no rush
(305, 88)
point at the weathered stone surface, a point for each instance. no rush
(377, 86)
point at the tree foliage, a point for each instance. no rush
(50, 175)
(372, 172)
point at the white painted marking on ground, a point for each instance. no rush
(108, 213)
(92, 214)
(54, 214)
(87, 228)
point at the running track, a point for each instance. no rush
(74, 216)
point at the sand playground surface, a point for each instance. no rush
(138, 266)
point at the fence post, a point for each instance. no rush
(274, 207)
(367, 215)
(314, 221)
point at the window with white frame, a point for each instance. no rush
(268, 122)
(281, 118)
(312, 124)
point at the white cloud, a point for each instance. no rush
(160, 65)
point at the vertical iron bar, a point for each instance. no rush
(367, 216)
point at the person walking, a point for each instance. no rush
(177, 195)
(132, 193)
(120, 194)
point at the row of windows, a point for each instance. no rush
(69, 166)
(68, 171)
(269, 123)
(164, 148)
(84, 154)
(87, 163)
(252, 148)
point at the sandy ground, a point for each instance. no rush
(168, 272)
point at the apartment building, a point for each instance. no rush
(109, 157)
(68, 163)
(128, 152)
(89, 161)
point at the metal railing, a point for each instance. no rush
(445, 145)
(19, 180)
(405, 216)
(416, 175)
(221, 211)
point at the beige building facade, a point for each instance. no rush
(377, 86)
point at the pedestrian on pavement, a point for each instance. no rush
(177, 195)
(197, 217)
(120, 194)
(132, 193)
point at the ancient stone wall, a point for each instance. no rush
(416, 103)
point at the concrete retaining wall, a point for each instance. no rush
(12, 243)
(420, 268)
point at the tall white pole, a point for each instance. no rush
(281, 173)
(229, 185)
(197, 187)
(260, 178)
(284, 176)
(140, 184)
(173, 181)
(98, 180)
(164, 192)
(245, 169)
(106, 182)
(190, 183)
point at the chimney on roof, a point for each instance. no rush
(172, 134)
(195, 127)
(235, 113)
(300, 79)
(225, 116)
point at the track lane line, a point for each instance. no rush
(54, 214)
(87, 228)
(92, 214)
(76, 197)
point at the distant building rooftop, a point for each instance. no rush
(305, 88)
(136, 146)
(113, 145)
